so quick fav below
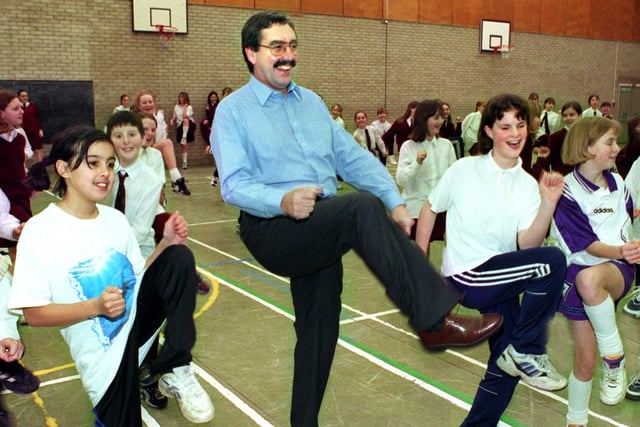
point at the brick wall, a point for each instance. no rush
(343, 59)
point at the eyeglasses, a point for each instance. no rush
(279, 48)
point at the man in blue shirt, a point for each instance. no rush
(278, 152)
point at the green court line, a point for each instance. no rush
(392, 362)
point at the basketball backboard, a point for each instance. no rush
(149, 14)
(494, 34)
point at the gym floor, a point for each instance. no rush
(381, 375)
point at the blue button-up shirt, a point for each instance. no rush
(266, 144)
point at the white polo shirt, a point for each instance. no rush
(486, 208)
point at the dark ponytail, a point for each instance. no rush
(38, 177)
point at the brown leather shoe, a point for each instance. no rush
(461, 331)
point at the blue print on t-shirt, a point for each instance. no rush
(90, 277)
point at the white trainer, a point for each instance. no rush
(533, 369)
(613, 382)
(193, 401)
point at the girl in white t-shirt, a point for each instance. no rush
(97, 286)
(497, 218)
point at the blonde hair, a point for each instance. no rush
(583, 134)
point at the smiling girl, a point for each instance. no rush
(96, 286)
(145, 102)
(423, 159)
(592, 226)
(497, 218)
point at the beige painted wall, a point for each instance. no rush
(343, 59)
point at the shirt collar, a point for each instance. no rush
(492, 166)
(590, 186)
(263, 92)
(131, 170)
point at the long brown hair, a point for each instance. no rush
(6, 96)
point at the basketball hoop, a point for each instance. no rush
(503, 50)
(166, 34)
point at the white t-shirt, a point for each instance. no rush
(418, 180)
(89, 255)
(486, 208)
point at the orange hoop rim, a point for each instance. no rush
(166, 32)
(503, 48)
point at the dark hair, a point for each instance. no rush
(424, 110)
(632, 123)
(6, 96)
(67, 145)
(381, 110)
(355, 115)
(494, 111)
(123, 96)
(572, 104)
(407, 112)
(209, 97)
(550, 99)
(22, 90)
(252, 30)
(605, 104)
(124, 118)
(593, 95)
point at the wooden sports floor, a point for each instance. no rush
(381, 374)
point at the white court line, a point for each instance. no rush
(475, 362)
(237, 402)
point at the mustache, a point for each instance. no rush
(280, 62)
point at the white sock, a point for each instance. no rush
(174, 174)
(579, 393)
(603, 320)
(184, 157)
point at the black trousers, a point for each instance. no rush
(310, 253)
(166, 292)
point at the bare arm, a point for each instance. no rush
(628, 251)
(426, 221)
(551, 186)
(109, 304)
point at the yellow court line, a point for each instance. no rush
(213, 295)
(52, 422)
